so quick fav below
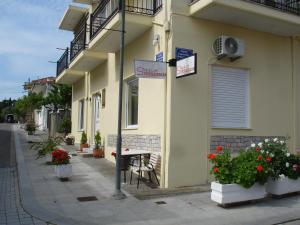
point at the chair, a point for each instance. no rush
(139, 168)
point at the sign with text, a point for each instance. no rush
(182, 53)
(186, 66)
(150, 69)
(159, 57)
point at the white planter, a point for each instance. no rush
(48, 158)
(282, 186)
(232, 193)
(63, 171)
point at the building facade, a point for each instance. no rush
(229, 101)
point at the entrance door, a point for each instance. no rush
(96, 117)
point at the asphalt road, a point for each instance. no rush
(7, 158)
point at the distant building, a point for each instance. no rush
(44, 86)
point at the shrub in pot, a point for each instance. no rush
(285, 171)
(61, 160)
(83, 141)
(65, 126)
(238, 179)
(45, 148)
(30, 128)
(98, 151)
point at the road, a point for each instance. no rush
(11, 210)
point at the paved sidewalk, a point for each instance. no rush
(11, 211)
(48, 198)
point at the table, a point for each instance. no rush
(128, 153)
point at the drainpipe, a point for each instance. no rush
(294, 94)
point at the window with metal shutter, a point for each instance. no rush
(230, 97)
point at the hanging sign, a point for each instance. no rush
(186, 66)
(150, 69)
(159, 57)
(182, 53)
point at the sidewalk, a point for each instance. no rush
(51, 200)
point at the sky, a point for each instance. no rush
(29, 36)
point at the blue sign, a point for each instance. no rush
(159, 57)
(182, 53)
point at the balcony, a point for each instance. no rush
(63, 62)
(105, 22)
(280, 17)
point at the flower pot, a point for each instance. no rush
(282, 186)
(63, 171)
(82, 146)
(98, 152)
(233, 193)
(48, 158)
(69, 141)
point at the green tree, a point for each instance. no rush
(59, 97)
(27, 104)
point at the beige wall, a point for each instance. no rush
(183, 121)
(269, 59)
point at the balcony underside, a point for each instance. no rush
(248, 15)
(69, 76)
(109, 40)
(87, 60)
(72, 17)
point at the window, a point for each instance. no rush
(230, 97)
(81, 115)
(132, 97)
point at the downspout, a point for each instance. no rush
(294, 94)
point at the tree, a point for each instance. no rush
(59, 97)
(27, 104)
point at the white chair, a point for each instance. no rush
(139, 167)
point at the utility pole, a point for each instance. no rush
(118, 193)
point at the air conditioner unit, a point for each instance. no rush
(231, 47)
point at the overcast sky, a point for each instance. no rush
(29, 36)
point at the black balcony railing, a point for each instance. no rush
(108, 8)
(79, 42)
(289, 6)
(63, 62)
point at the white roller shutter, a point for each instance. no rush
(230, 97)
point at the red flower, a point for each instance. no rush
(114, 154)
(268, 159)
(211, 156)
(259, 157)
(216, 169)
(219, 148)
(258, 149)
(259, 168)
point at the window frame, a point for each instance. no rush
(81, 115)
(127, 82)
(247, 110)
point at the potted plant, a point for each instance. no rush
(285, 171)
(83, 141)
(238, 179)
(69, 139)
(30, 128)
(61, 160)
(98, 151)
(45, 148)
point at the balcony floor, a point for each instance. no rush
(247, 14)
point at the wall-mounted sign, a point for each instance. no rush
(182, 53)
(150, 69)
(186, 66)
(159, 57)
